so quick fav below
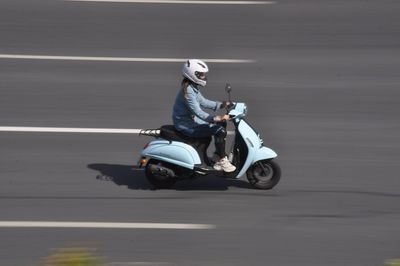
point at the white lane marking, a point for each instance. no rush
(195, 2)
(70, 130)
(75, 130)
(117, 59)
(48, 224)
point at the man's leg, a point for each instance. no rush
(220, 139)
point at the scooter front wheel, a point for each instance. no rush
(264, 174)
(160, 174)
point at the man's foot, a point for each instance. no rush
(224, 165)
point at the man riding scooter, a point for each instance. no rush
(192, 121)
(179, 151)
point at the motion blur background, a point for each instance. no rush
(323, 92)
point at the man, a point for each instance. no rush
(189, 117)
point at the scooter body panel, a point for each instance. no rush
(264, 153)
(174, 152)
(256, 150)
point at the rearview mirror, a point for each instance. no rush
(228, 88)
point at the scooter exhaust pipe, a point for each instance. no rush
(161, 170)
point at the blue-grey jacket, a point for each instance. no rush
(187, 111)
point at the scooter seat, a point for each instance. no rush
(169, 132)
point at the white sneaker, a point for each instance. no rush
(217, 166)
(225, 165)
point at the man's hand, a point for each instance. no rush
(220, 118)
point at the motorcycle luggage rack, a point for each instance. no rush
(150, 132)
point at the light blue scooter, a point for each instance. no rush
(173, 156)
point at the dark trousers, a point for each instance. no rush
(218, 130)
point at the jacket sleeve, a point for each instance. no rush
(195, 106)
(214, 105)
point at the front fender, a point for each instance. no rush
(264, 153)
(260, 154)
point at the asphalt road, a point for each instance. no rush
(323, 92)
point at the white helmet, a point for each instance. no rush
(195, 70)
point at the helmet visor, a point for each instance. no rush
(201, 75)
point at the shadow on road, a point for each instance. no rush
(122, 175)
(134, 178)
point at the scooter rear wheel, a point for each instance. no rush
(159, 179)
(264, 174)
